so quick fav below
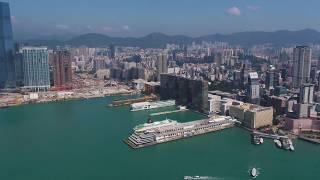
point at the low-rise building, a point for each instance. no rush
(300, 125)
(152, 88)
(138, 84)
(252, 116)
(214, 104)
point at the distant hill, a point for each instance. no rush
(159, 40)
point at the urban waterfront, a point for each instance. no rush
(84, 140)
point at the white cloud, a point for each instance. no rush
(253, 8)
(126, 27)
(62, 27)
(233, 11)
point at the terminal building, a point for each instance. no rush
(252, 116)
(187, 92)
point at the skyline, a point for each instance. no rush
(135, 19)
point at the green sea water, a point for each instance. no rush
(78, 140)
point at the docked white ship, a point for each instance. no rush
(163, 131)
(151, 105)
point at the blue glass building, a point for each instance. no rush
(7, 65)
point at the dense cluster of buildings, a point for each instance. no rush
(257, 85)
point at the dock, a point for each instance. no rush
(168, 112)
(133, 146)
(270, 136)
(315, 141)
(116, 103)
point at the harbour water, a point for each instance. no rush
(82, 139)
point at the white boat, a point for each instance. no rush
(256, 140)
(278, 143)
(291, 147)
(254, 172)
(151, 105)
(182, 107)
(261, 140)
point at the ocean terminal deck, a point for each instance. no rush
(168, 130)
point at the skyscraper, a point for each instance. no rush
(301, 65)
(62, 72)
(187, 92)
(306, 94)
(35, 62)
(7, 66)
(162, 65)
(269, 79)
(253, 92)
(113, 52)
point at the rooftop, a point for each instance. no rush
(251, 107)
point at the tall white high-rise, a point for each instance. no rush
(306, 93)
(301, 65)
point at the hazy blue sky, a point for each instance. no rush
(140, 17)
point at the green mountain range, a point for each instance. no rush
(159, 40)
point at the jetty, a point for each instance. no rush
(270, 136)
(116, 103)
(168, 112)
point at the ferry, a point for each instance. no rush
(151, 105)
(152, 133)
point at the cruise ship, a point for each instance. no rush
(152, 133)
(151, 105)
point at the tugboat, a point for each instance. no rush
(254, 172)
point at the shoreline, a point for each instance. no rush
(43, 101)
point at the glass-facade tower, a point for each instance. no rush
(35, 63)
(7, 66)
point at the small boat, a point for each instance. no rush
(261, 140)
(255, 139)
(278, 143)
(291, 147)
(254, 172)
(182, 108)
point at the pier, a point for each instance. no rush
(124, 102)
(168, 112)
(270, 136)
